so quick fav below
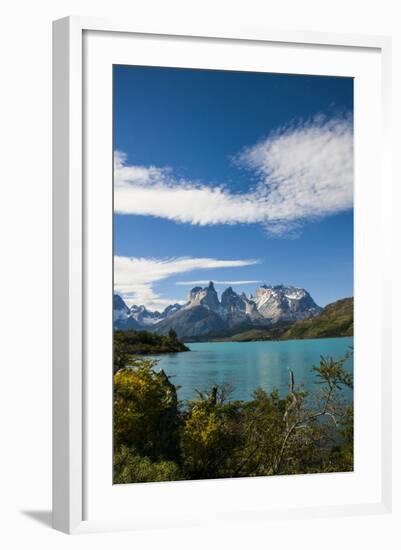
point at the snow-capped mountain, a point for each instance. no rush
(139, 317)
(206, 297)
(204, 313)
(271, 303)
(171, 309)
(144, 316)
(122, 315)
(238, 309)
(278, 303)
(120, 308)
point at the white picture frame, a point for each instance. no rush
(70, 259)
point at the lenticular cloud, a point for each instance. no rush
(303, 171)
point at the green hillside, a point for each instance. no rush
(336, 319)
(255, 334)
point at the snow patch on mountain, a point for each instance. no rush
(269, 305)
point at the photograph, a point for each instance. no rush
(209, 226)
(233, 274)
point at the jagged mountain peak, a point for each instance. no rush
(280, 302)
(171, 309)
(143, 309)
(194, 292)
(204, 312)
(229, 290)
(206, 297)
(231, 301)
(139, 316)
(122, 315)
(119, 304)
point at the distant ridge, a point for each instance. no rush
(335, 320)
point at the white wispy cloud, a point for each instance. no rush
(134, 278)
(206, 282)
(302, 171)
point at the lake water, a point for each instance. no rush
(249, 365)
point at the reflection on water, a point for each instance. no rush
(248, 365)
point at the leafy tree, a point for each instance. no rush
(173, 337)
(263, 425)
(303, 426)
(156, 438)
(145, 410)
(129, 344)
(210, 435)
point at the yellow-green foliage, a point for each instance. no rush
(209, 437)
(130, 467)
(145, 410)
(155, 439)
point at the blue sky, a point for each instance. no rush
(233, 177)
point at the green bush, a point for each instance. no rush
(130, 467)
(145, 410)
(157, 439)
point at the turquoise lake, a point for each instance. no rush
(249, 365)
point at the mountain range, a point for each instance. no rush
(335, 320)
(203, 313)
